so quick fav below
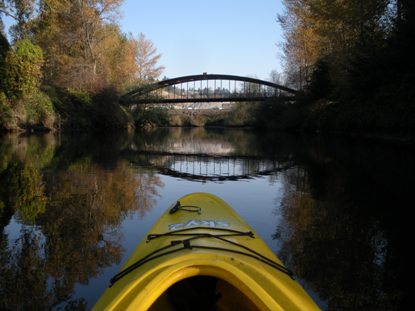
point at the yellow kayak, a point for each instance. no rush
(201, 255)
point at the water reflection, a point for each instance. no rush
(343, 211)
(67, 213)
(200, 155)
(65, 203)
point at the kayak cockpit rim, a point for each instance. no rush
(227, 275)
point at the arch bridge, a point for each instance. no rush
(208, 88)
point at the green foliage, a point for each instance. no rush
(80, 96)
(39, 109)
(23, 69)
(72, 106)
(144, 117)
(6, 113)
(4, 48)
(80, 110)
(77, 50)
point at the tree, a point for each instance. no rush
(146, 59)
(76, 37)
(2, 33)
(302, 43)
(5, 9)
(4, 48)
(92, 18)
(118, 67)
(333, 30)
(22, 11)
(23, 69)
(276, 77)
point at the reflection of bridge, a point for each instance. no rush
(208, 88)
(203, 167)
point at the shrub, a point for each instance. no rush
(22, 72)
(155, 116)
(80, 96)
(243, 114)
(39, 110)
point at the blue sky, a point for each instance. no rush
(238, 37)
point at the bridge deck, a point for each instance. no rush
(208, 100)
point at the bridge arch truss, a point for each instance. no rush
(208, 88)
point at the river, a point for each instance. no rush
(337, 211)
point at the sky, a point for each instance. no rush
(239, 37)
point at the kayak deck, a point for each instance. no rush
(201, 255)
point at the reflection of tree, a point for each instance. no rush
(21, 184)
(23, 191)
(24, 279)
(69, 219)
(87, 204)
(101, 149)
(335, 243)
(147, 191)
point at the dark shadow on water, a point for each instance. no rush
(346, 221)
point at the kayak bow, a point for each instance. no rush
(200, 255)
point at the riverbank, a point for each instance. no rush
(385, 118)
(240, 115)
(30, 113)
(81, 112)
(64, 110)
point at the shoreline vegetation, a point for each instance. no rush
(69, 112)
(69, 76)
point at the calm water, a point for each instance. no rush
(337, 212)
